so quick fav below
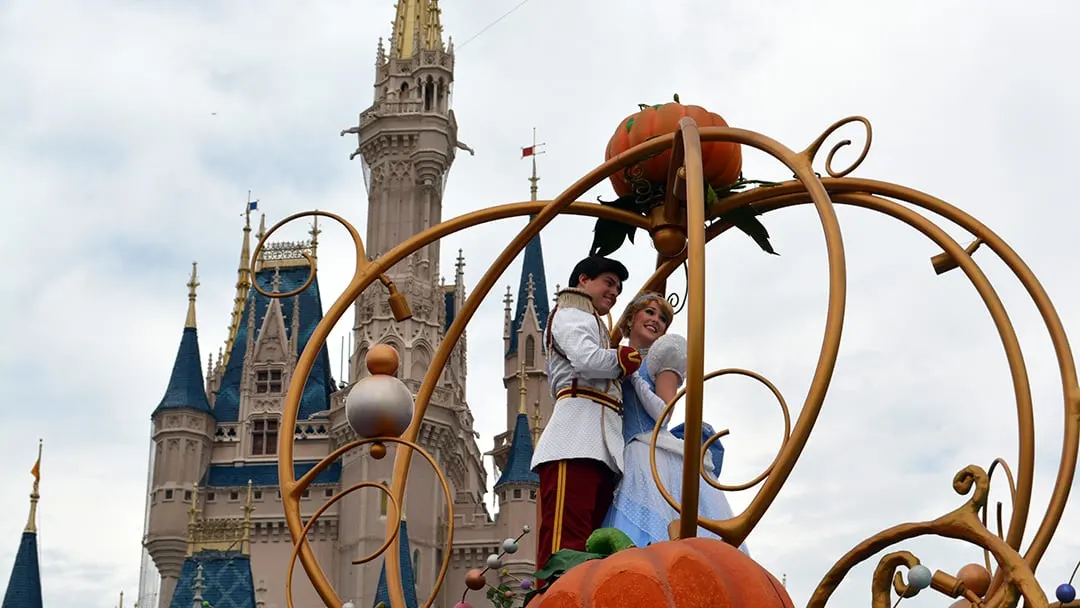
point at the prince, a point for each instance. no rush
(579, 455)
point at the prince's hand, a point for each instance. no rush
(629, 360)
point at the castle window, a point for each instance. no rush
(383, 502)
(264, 437)
(329, 493)
(234, 495)
(307, 494)
(517, 493)
(257, 494)
(530, 351)
(532, 494)
(416, 562)
(210, 497)
(187, 495)
(268, 381)
(168, 494)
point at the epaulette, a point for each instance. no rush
(574, 297)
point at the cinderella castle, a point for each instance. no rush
(215, 529)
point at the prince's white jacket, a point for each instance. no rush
(585, 379)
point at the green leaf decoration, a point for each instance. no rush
(608, 541)
(629, 124)
(608, 236)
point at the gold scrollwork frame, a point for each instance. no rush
(685, 207)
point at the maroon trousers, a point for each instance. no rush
(574, 498)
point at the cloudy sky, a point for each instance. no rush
(133, 132)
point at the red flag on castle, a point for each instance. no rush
(532, 150)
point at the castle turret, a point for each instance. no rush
(24, 586)
(523, 335)
(183, 428)
(516, 488)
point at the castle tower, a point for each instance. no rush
(183, 427)
(517, 487)
(523, 337)
(24, 586)
(407, 142)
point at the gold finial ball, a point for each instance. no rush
(378, 451)
(382, 359)
(475, 580)
(976, 578)
(669, 241)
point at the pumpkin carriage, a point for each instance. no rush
(677, 172)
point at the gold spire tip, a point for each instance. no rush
(31, 521)
(523, 389)
(192, 285)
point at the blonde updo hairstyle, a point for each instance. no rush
(667, 313)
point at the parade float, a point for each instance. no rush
(677, 173)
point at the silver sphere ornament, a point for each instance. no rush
(919, 577)
(526, 529)
(510, 546)
(379, 406)
(494, 561)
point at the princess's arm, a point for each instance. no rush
(576, 334)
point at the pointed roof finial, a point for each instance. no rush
(523, 389)
(192, 285)
(275, 282)
(31, 521)
(536, 421)
(530, 290)
(315, 232)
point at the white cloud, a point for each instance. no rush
(118, 173)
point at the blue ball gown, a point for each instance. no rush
(639, 510)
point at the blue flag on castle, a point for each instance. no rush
(253, 205)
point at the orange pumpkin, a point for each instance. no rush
(722, 161)
(687, 573)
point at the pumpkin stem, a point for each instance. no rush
(642, 106)
(676, 98)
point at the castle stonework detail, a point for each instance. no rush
(215, 528)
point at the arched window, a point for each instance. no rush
(383, 501)
(416, 562)
(530, 351)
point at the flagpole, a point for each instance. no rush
(533, 151)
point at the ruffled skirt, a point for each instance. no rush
(640, 511)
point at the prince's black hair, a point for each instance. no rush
(596, 265)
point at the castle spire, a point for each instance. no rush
(417, 26)
(243, 279)
(533, 279)
(186, 388)
(192, 285)
(24, 586)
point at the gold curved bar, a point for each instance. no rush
(695, 322)
(320, 511)
(994, 306)
(961, 524)
(712, 525)
(1012, 491)
(886, 576)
